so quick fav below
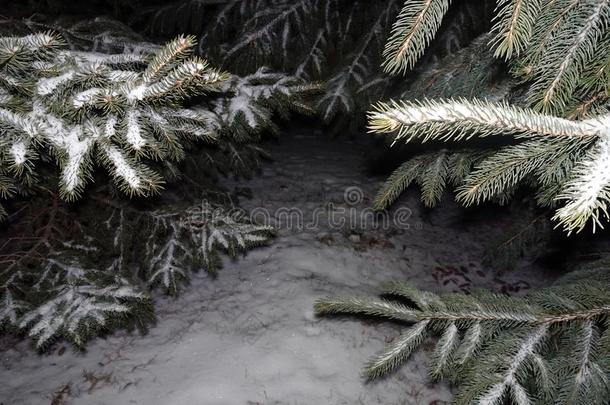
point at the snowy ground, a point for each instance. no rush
(250, 336)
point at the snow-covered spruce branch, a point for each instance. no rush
(568, 159)
(114, 110)
(500, 348)
(125, 112)
(72, 302)
(451, 120)
(251, 101)
(64, 296)
(181, 241)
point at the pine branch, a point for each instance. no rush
(523, 240)
(173, 53)
(509, 166)
(413, 30)
(342, 88)
(571, 50)
(396, 352)
(515, 340)
(433, 172)
(551, 18)
(514, 23)
(434, 178)
(400, 179)
(588, 190)
(365, 306)
(82, 302)
(463, 119)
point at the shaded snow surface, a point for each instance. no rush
(250, 336)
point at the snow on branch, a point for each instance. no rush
(126, 113)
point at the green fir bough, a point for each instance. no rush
(552, 346)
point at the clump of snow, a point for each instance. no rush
(52, 127)
(134, 132)
(76, 150)
(137, 93)
(70, 140)
(122, 168)
(23, 124)
(244, 105)
(46, 86)
(86, 97)
(18, 151)
(110, 126)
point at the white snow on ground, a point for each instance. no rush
(250, 336)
